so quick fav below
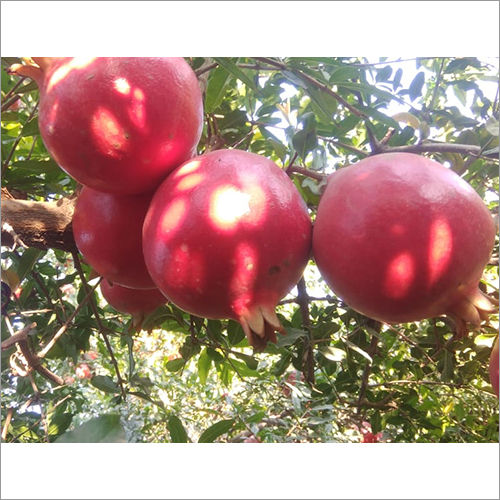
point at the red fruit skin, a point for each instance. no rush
(226, 235)
(131, 301)
(108, 232)
(493, 368)
(119, 124)
(401, 238)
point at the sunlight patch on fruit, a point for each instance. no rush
(400, 275)
(137, 110)
(173, 217)
(109, 135)
(51, 116)
(122, 86)
(187, 168)
(440, 249)
(227, 206)
(63, 71)
(190, 182)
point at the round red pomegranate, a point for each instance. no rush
(117, 124)
(108, 232)
(226, 236)
(401, 238)
(494, 367)
(130, 300)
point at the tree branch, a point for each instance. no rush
(40, 224)
(303, 301)
(93, 306)
(306, 172)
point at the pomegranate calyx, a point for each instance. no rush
(137, 320)
(30, 70)
(260, 325)
(473, 307)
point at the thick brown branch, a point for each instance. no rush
(40, 224)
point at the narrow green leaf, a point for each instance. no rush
(396, 82)
(30, 128)
(176, 430)
(216, 430)
(216, 88)
(354, 347)
(231, 67)
(105, 383)
(415, 89)
(103, 429)
(204, 363)
(27, 261)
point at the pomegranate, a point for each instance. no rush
(494, 367)
(108, 232)
(401, 238)
(226, 236)
(117, 124)
(131, 301)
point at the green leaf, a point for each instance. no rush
(216, 430)
(333, 353)
(27, 261)
(383, 74)
(30, 128)
(250, 361)
(235, 332)
(59, 423)
(216, 88)
(305, 140)
(396, 82)
(174, 365)
(103, 429)
(415, 89)
(35, 166)
(204, 363)
(176, 430)
(105, 383)
(292, 335)
(231, 67)
(354, 347)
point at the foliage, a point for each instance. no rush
(335, 373)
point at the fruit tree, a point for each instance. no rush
(249, 250)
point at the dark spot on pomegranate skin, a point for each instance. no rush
(274, 270)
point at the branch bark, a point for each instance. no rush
(40, 224)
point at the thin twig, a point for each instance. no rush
(344, 146)
(46, 292)
(64, 327)
(305, 171)
(12, 90)
(102, 330)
